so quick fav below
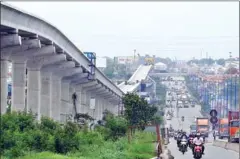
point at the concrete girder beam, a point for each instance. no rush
(89, 84)
(112, 98)
(58, 66)
(38, 62)
(101, 90)
(34, 53)
(68, 72)
(81, 81)
(105, 95)
(115, 102)
(108, 96)
(93, 88)
(19, 50)
(76, 78)
(104, 92)
(10, 40)
(96, 88)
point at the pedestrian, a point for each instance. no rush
(214, 134)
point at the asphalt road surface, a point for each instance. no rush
(211, 152)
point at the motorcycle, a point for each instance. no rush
(183, 146)
(198, 152)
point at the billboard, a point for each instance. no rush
(126, 59)
(92, 58)
(233, 115)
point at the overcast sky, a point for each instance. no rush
(166, 29)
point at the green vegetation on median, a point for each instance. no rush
(23, 137)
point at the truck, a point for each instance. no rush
(203, 126)
(233, 119)
(223, 128)
(193, 128)
(184, 97)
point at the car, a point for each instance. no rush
(169, 117)
(180, 105)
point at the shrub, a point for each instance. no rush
(48, 125)
(117, 126)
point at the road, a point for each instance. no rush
(211, 152)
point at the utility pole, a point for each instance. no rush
(134, 58)
(230, 58)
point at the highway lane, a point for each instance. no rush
(211, 152)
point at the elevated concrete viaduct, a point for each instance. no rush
(47, 69)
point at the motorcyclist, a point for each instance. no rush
(191, 136)
(184, 139)
(184, 135)
(179, 137)
(198, 141)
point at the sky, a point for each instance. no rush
(181, 30)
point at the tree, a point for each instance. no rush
(221, 62)
(137, 111)
(109, 70)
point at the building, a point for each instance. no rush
(160, 67)
(126, 59)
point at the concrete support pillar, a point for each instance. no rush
(56, 98)
(46, 94)
(106, 106)
(78, 102)
(71, 108)
(4, 88)
(97, 109)
(34, 91)
(64, 101)
(88, 98)
(92, 106)
(83, 101)
(101, 108)
(18, 85)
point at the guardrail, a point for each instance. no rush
(227, 145)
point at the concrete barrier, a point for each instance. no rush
(227, 145)
(233, 147)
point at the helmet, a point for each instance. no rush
(198, 135)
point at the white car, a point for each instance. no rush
(169, 117)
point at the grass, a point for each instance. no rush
(140, 147)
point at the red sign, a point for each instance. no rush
(232, 115)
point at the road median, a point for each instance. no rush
(227, 145)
